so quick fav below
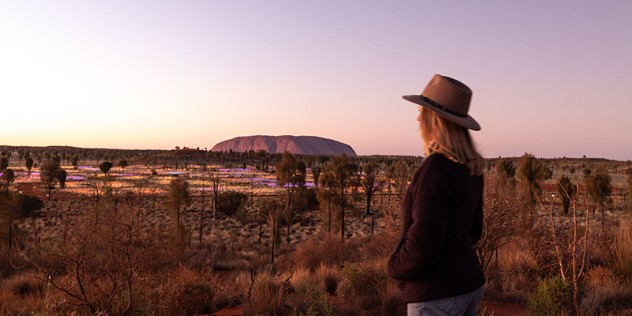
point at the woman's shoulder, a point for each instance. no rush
(438, 163)
(437, 159)
(433, 165)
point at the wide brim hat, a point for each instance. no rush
(448, 97)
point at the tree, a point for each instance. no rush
(61, 177)
(26, 205)
(12, 207)
(269, 213)
(7, 215)
(599, 189)
(49, 171)
(340, 172)
(370, 182)
(74, 160)
(179, 199)
(105, 167)
(506, 168)
(214, 177)
(8, 176)
(502, 201)
(629, 191)
(123, 163)
(29, 165)
(400, 173)
(229, 202)
(4, 163)
(567, 191)
(291, 174)
(316, 175)
(326, 193)
(531, 170)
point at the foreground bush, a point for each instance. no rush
(553, 297)
(189, 292)
(268, 296)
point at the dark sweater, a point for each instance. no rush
(442, 218)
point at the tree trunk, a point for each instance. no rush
(342, 214)
(369, 197)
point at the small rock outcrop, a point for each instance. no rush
(304, 145)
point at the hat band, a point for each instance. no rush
(441, 107)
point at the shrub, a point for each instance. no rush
(305, 199)
(325, 250)
(506, 168)
(553, 297)
(27, 205)
(363, 284)
(230, 202)
(309, 299)
(189, 292)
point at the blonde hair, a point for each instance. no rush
(449, 139)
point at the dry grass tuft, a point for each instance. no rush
(623, 250)
(514, 275)
(269, 296)
(391, 300)
(605, 293)
(22, 294)
(329, 277)
(379, 245)
(327, 249)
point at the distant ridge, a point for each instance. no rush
(304, 145)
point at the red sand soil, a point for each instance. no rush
(30, 189)
(230, 311)
(35, 189)
(496, 309)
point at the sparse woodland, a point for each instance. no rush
(190, 232)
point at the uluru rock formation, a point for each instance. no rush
(304, 145)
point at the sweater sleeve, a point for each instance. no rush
(422, 244)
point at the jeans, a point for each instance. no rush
(466, 304)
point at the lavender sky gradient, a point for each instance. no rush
(553, 78)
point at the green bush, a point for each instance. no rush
(229, 202)
(309, 299)
(553, 297)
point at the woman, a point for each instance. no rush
(434, 263)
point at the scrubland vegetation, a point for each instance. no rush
(186, 232)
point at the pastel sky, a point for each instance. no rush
(553, 78)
